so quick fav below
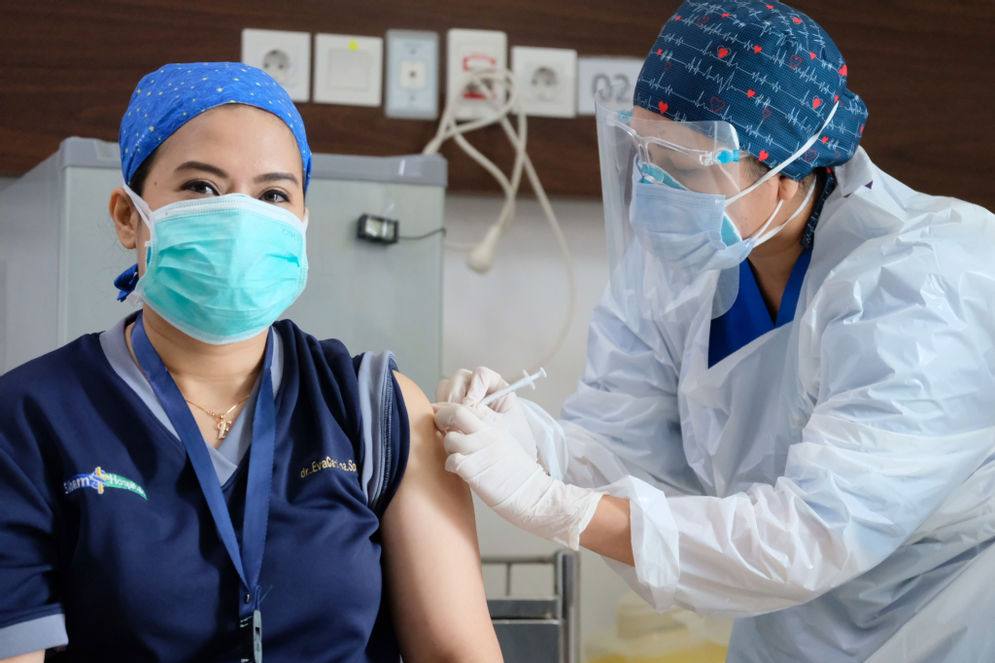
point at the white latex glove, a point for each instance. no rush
(508, 480)
(471, 387)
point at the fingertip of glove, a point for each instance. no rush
(445, 418)
(450, 442)
(453, 461)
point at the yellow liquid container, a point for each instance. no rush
(642, 635)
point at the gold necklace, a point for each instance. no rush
(224, 423)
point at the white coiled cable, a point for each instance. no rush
(499, 86)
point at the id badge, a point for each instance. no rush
(251, 632)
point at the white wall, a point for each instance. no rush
(507, 319)
(4, 181)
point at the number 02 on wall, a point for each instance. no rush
(596, 73)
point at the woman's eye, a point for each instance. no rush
(200, 187)
(274, 196)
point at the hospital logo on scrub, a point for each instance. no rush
(98, 480)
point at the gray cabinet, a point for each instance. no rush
(59, 255)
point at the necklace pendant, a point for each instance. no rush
(223, 427)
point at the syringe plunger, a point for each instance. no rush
(515, 386)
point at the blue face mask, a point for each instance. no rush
(221, 269)
(691, 229)
(653, 174)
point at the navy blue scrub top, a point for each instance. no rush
(749, 317)
(105, 527)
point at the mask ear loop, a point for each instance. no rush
(787, 162)
(143, 208)
(761, 237)
(145, 213)
(774, 171)
(759, 233)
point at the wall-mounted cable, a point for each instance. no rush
(499, 85)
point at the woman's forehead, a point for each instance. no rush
(236, 134)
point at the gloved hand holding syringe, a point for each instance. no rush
(515, 386)
(494, 451)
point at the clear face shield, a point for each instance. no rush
(639, 147)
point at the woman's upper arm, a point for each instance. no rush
(432, 559)
(33, 657)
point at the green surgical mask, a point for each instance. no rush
(221, 269)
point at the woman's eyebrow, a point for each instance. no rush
(199, 165)
(214, 170)
(271, 177)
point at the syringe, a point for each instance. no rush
(515, 386)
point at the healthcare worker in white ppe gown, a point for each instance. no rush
(787, 413)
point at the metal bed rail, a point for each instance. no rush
(544, 629)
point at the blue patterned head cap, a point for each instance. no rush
(172, 95)
(767, 69)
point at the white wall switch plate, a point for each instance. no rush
(348, 69)
(546, 80)
(412, 83)
(596, 73)
(286, 56)
(468, 50)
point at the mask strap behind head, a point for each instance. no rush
(787, 162)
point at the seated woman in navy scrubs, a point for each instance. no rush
(200, 482)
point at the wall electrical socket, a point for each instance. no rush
(348, 69)
(468, 50)
(412, 83)
(286, 56)
(546, 80)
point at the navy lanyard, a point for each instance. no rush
(249, 561)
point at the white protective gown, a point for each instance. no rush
(832, 483)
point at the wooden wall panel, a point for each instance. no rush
(923, 67)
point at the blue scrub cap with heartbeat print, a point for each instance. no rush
(767, 69)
